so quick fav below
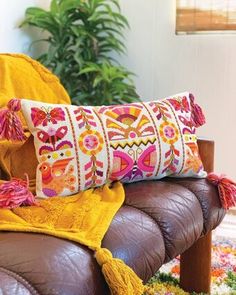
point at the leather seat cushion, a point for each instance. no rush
(13, 284)
(53, 266)
(159, 220)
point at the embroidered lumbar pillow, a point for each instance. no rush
(79, 147)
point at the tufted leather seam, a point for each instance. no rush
(164, 241)
(204, 231)
(155, 222)
(182, 186)
(152, 218)
(21, 280)
(186, 188)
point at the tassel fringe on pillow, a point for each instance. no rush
(197, 115)
(226, 189)
(15, 193)
(10, 124)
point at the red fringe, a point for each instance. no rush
(15, 193)
(226, 188)
(197, 116)
(10, 125)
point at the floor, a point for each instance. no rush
(227, 229)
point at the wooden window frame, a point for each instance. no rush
(201, 21)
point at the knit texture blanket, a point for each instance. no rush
(83, 218)
(23, 77)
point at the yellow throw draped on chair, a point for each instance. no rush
(23, 77)
(83, 218)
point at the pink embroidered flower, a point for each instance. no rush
(90, 142)
(169, 133)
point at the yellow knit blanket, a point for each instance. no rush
(84, 217)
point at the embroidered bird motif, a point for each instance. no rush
(55, 178)
(193, 161)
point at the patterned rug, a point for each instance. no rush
(166, 281)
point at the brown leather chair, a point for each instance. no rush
(159, 220)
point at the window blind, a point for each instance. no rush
(205, 15)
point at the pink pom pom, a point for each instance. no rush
(197, 116)
(15, 193)
(226, 188)
(10, 125)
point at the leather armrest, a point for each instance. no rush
(206, 151)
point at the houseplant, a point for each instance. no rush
(83, 36)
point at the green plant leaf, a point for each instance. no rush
(35, 11)
(83, 37)
(55, 7)
(69, 4)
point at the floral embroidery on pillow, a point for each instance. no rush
(91, 143)
(80, 147)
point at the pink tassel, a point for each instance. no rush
(226, 188)
(197, 116)
(15, 193)
(10, 125)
